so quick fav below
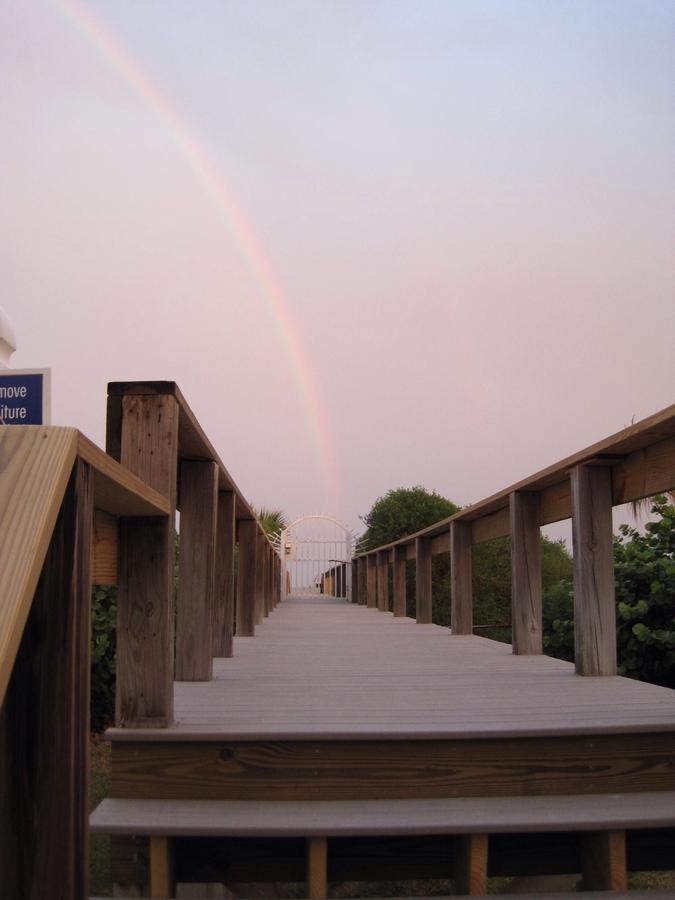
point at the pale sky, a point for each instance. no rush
(375, 243)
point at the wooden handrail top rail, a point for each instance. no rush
(193, 444)
(642, 462)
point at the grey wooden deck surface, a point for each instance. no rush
(326, 668)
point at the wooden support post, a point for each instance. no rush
(355, 581)
(594, 604)
(105, 549)
(363, 580)
(469, 869)
(223, 612)
(161, 868)
(372, 580)
(383, 580)
(196, 571)
(603, 861)
(400, 557)
(260, 579)
(317, 868)
(247, 534)
(44, 720)
(142, 433)
(461, 612)
(423, 581)
(526, 610)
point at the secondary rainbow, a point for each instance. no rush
(98, 35)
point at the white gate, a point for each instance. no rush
(317, 553)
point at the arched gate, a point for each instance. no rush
(317, 553)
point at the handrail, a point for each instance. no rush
(632, 464)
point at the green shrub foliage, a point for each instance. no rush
(103, 645)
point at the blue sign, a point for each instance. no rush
(22, 397)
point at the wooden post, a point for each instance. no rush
(461, 613)
(372, 580)
(423, 581)
(223, 614)
(143, 436)
(400, 557)
(246, 577)
(383, 580)
(196, 572)
(603, 861)
(526, 609)
(355, 581)
(594, 604)
(317, 868)
(470, 859)
(161, 867)
(362, 578)
(44, 719)
(260, 579)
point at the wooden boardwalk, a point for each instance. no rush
(321, 667)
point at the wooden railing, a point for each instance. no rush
(635, 463)
(60, 498)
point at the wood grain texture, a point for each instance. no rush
(526, 604)
(423, 581)
(104, 548)
(594, 603)
(372, 581)
(197, 571)
(145, 623)
(35, 466)
(44, 721)
(399, 581)
(161, 868)
(223, 609)
(246, 577)
(383, 581)
(461, 593)
(149, 442)
(317, 868)
(603, 861)
(469, 864)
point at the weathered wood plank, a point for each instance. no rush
(461, 594)
(246, 577)
(594, 604)
(44, 721)
(104, 548)
(423, 581)
(526, 608)
(469, 864)
(603, 861)
(383, 581)
(161, 868)
(372, 580)
(149, 441)
(223, 611)
(197, 570)
(317, 868)
(399, 581)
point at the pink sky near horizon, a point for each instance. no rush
(470, 209)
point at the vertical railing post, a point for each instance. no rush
(594, 602)
(197, 570)
(400, 557)
(526, 609)
(260, 578)
(383, 580)
(246, 577)
(143, 436)
(461, 613)
(44, 719)
(223, 617)
(372, 580)
(362, 579)
(355, 581)
(423, 581)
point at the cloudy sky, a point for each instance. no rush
(376, 243)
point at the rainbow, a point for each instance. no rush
(99, 36)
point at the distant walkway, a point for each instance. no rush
(324, 667)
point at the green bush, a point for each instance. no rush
(103, 645)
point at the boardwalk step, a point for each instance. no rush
(228, 818)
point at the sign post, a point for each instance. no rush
(25, 396)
